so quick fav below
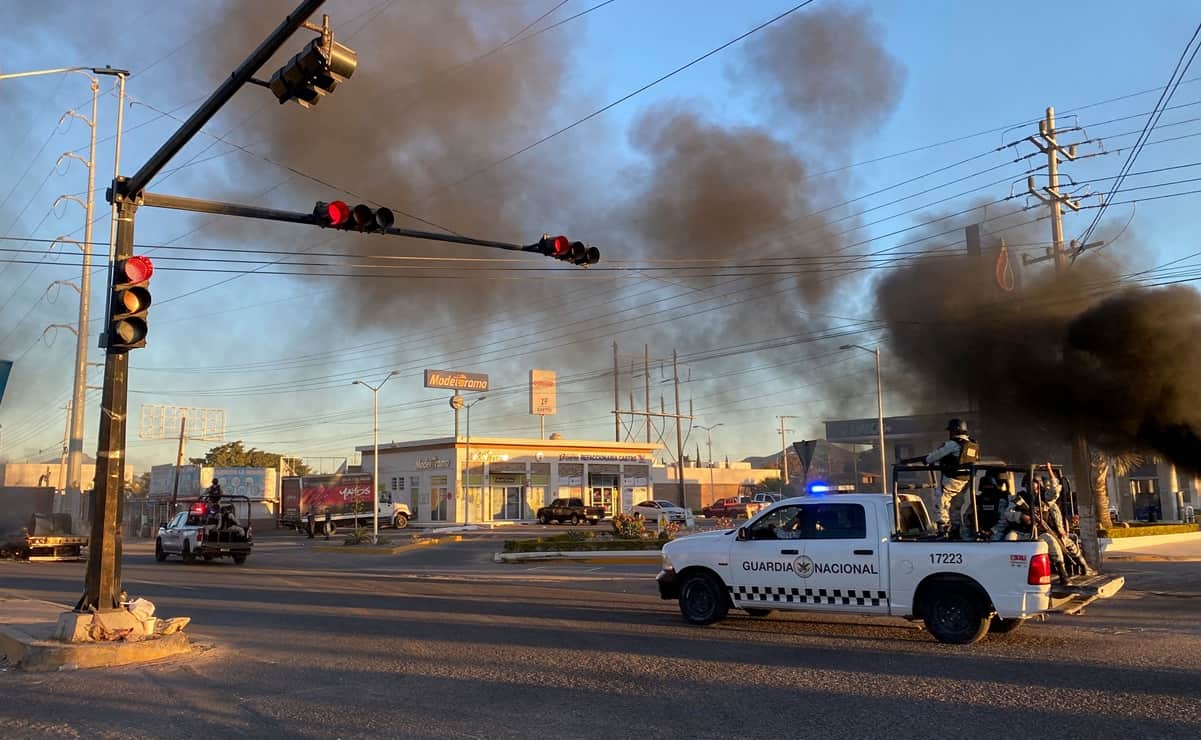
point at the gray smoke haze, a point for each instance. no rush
(828, 70)
(1063, 353)
(702, 188)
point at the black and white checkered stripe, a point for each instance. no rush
(827, 596)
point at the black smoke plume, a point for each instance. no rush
(1064, 353)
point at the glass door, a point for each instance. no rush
(512, 502)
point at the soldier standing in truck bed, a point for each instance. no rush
(951, 457)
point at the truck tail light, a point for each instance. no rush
(1040, 570)
(200, 535)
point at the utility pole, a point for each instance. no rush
(646, 377)
(183, 425)
(616, 397)
(709, 441)
(675, 372)
(1048, 144)
(74, 487)
(784, 448)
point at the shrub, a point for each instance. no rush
(1149, 530)
(629, 527)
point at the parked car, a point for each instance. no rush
(570, 510)
(767, 499)
(735, 507)
(670, 512)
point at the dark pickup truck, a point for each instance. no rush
(570, 510)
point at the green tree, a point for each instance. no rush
(139, 487)
(235, 455)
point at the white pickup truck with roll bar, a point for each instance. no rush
(874, 554)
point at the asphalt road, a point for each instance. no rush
(441, 642)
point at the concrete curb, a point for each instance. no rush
(394, 550)
(30, 654)
(601, 557)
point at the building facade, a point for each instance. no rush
(508, 479)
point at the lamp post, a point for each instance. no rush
(467, 465)
(879, 414)
(709, 440)
(375, 455)
(74, 460)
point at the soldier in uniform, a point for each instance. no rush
(1013, 515)
(950, 457)
(1055, 531)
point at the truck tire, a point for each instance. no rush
(401, 521)
(702, 599)
(544, 519)
(159, 554)
(575, 520)
(956, 615)
(758, 612)
(239, 557)
(186, 553)
(1000, 626)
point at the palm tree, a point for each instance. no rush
(1101, 465)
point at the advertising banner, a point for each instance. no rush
(162, 480)
(543, 392)
(337, 494)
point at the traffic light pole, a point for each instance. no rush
(102, 581)
(221, 208)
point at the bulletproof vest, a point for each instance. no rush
(952, 465)
(988, 504)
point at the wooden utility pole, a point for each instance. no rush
(1048, 144)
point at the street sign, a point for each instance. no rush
(543, 392)
(456, 380)
(162, 422)
(804, 450)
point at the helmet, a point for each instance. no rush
(1050, 492)
(989, 481)
(957, 426)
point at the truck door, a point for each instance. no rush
(840, 565)
(762, 566)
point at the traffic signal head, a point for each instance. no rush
(314, 72)
(338, 215)
(562, 248)
(129, 304)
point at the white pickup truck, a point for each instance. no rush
(853, 553)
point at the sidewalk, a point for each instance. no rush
(1181, 548)
(27, 627)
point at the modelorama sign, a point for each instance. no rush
(456, 380)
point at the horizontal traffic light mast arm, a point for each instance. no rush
(239, 77)
(199, 205)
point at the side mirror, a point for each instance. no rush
(163, 525)
(743, 535)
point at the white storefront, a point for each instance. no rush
(508, 479)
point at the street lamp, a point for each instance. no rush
(467, 465)
(375, 454)
(709, 438)
(879, 414)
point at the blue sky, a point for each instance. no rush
(968, 68)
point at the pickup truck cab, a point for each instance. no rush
(208, 530)
(735, 507)
(570, 510)
(870, 554)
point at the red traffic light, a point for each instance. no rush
(137, 269)
(562, 248)
(334, 213)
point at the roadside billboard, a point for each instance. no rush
(543, 392)
(336, 494)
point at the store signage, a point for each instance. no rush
(432, 462)
(542, 392)
(600, 458)
(456, 380)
